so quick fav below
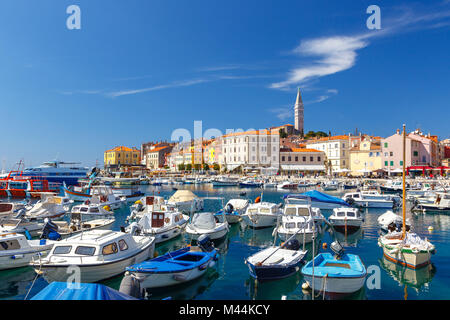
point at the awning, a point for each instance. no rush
(302, 167)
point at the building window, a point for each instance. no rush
(392, 163)
(385, 163)
(401, 163)
(416, 154)
(318, 159)
(391, 154)
(296, 159)
(289, 158)
(385, 144)
(282, 158)
(304, 159)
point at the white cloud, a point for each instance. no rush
(283, 113)
(335, 54)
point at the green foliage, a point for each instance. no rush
(216, 167)
(313, 134)
(283, 134)
(205, 167)
(188, 167)
(181, 167)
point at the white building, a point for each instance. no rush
(251, 149)
(337, 150)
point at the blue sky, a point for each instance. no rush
(137, 70)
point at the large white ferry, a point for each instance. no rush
(57, 171)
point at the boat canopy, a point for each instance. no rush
(239, 203)
(204, 220)
(80, 291)
(182, 196)
(319, 197)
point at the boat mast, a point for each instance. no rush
(404, 182)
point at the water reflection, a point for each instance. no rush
(16, 282)
(417, 279)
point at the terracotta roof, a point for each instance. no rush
(157, 149)
(341, 137)
(122, 148)
(298, 150)
(254, 132)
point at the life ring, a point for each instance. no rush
(166, 220)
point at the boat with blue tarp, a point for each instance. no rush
(80, 291)
(318, 200)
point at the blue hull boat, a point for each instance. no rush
(335, 276)
(175, 267)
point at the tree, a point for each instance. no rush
(197, 166)
(216, 166)
(283, 134)
(181, 167)
(205, 167)
(188, 167)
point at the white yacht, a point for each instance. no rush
(439, 202)
(262, 214)
(101, 204)
(99, 255)
(347, 220)
(16, 251)
(147, 205)
(234, 209)
(287, 185)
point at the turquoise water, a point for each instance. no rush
(230, 278)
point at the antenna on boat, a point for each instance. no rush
(404, 183)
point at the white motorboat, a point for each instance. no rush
(49, 206)
(298, 220)
(301, 201)
(389, 221)
(204, 223)
(316, 199)
(287, 185)
(16, 251)
(128, 194)
(163, 225)
(148, 204)
(270, 184)
(262, 214)
(234, 209)
(330, 186)
(100, 205)
(20, 224)
(370, 201)
(9, 208)
(97, 254)
(347, 220)
(186, 201)
(440, 202)
(225, 182)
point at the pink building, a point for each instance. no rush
(421, 150)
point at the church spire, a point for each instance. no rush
(298, 112)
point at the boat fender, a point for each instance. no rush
(212, 263)
(131, 286)
(179, 277)
(17, 256)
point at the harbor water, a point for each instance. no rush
(230, 279)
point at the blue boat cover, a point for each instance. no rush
(85, 291)
(320, 197)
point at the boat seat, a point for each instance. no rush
(195, 249)
(339, 265)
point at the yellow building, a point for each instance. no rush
(366, 157)
(122, 156)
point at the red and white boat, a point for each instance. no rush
(15, 185)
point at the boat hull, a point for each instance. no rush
(335, 286)
(94, 272)
(260, 220)
(407, 259)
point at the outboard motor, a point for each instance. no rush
(350, 200)
(135, 229)
(292, 244)
(20, 213)
(131, 286)
(337, 249)
(204, 242)
(229, 208)
(49, 231)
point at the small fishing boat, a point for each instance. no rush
(17, 251)
(20, 224)
(175, 267)
(128, 194)
(186, 201)
(287, 185)
(57, 230)
(225, 182)
(204, 223)
(298, 220)
(335, 276)
(49, 206)
(99, 254)
(330, 186)
(346, 220)
(440, 202)
(163, 225)
(371, 200)
(276, 262)
(262, 214)
(316, 199)
(390, 221)
(250, 183)
(270, 184)
(233, 210)
(9, 208)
